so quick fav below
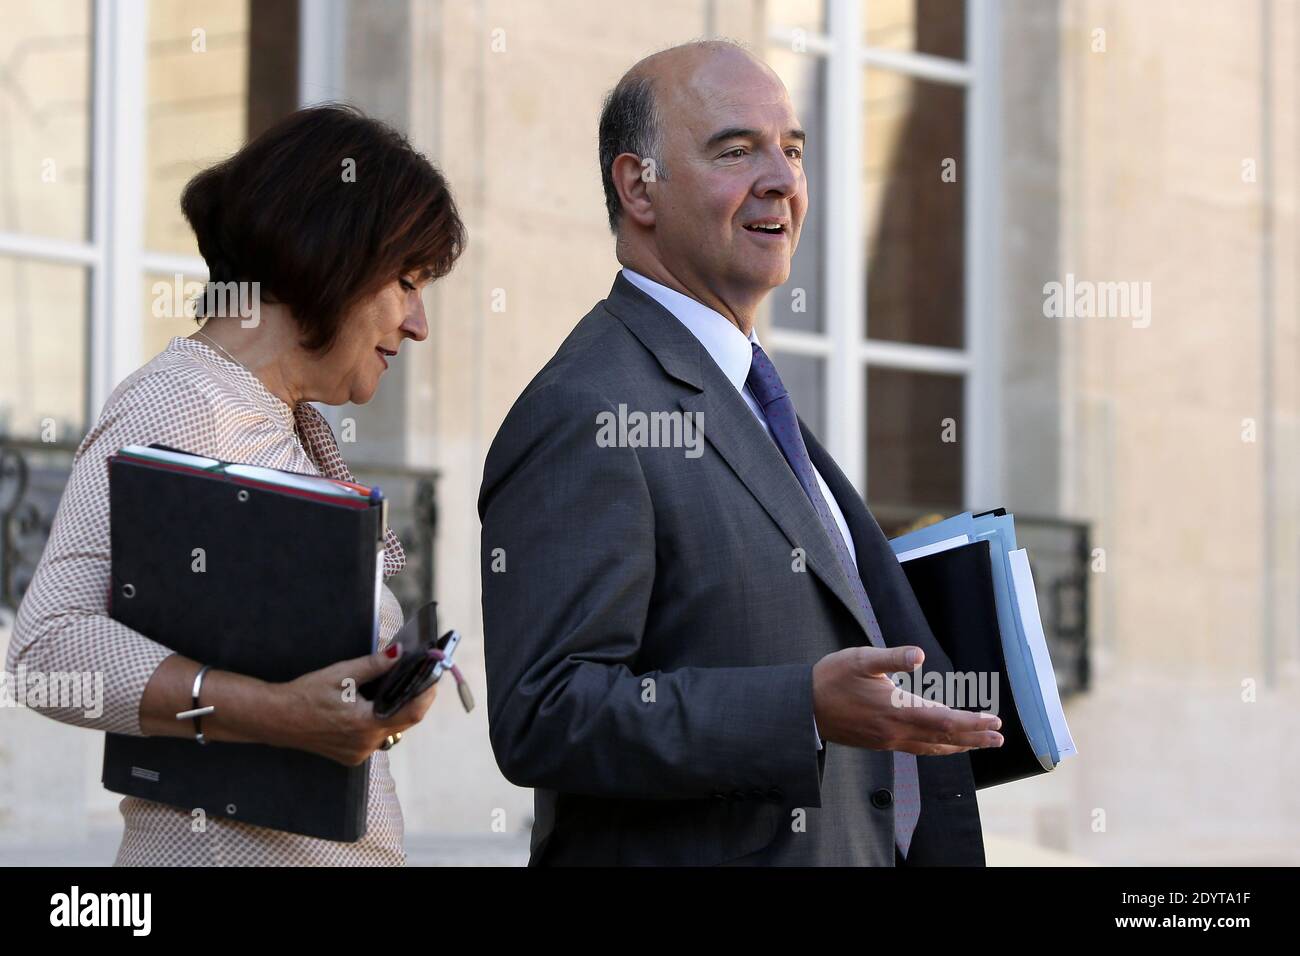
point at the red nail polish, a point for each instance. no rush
(392, 650)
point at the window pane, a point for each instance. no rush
(911, 469)
(43, 358)
(914, 174)
(808, 15)
(45, 57)
(799, 303)
(937, 27)
(804, 377)
(198, 105)
(166, 298)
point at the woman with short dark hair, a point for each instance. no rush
(329, 224)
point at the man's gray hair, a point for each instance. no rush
(629, 123)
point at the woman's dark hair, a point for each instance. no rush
(322, 210)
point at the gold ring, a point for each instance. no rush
(391, 741)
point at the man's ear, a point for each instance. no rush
(632, 178)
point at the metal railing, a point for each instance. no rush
(412, 495)
(1059, 556)
(34, 473)
(32, 476)
(1060, 553)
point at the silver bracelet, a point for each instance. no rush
(198, 712)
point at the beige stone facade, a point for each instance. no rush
(1152, 142)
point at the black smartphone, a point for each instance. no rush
(417, 669)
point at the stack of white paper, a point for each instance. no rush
(271, 476)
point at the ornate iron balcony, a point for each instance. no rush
(33, 475)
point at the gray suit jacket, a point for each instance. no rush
(650, 636)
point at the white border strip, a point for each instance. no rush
(917, 358)
(845, 243)
(795, 342)
(921, 66)
(25, 246)
(168, 264)
(983, 484)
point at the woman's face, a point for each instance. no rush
(369, 339)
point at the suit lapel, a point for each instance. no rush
(733, 431)
(882, 576)
(730, 427)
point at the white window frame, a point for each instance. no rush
(115, 253)
(843, 345)
(116, 209)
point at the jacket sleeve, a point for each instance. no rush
(63, 634)
(568, 569)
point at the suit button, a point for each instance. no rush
(756, 793)
(719, 795)
(737, 795)
(774, 793)
(882, 798)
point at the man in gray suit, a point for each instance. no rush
(690, 615)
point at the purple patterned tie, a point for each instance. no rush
(772, 397)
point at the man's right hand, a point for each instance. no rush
(853, 703)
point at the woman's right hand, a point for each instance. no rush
(325, 713)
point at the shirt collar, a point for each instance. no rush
(725, 343)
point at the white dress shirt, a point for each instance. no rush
(729, 348)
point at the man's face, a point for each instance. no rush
(730, 211)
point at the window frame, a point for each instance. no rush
(115, 253)
(843, 344)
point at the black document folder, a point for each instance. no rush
(955, 591)
(246, 575)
